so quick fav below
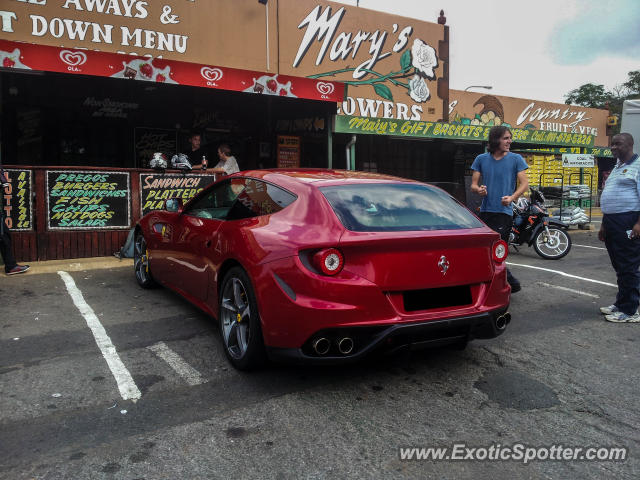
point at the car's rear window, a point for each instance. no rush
(397, 207)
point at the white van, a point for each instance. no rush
(631, 121)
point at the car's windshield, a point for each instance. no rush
(397, 207)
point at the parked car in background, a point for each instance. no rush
(326, 266)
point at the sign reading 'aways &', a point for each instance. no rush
(17, 200)
(88, 200)
(156, 188)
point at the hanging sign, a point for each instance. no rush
(577, 160)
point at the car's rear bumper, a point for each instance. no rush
(295, 304)
(389, 338)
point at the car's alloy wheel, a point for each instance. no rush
(141, 263)
(239, 321)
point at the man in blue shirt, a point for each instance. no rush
(499, 169)
(620, 229)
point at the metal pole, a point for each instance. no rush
(329, 125)
(266, 9)
(350, 151)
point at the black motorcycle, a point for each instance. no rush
(532, 225)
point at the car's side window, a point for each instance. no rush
(217, 202)
(259, 198)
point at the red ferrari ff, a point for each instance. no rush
(327, 265)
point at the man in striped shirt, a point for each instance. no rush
(620, 230)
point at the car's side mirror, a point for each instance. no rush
(174, 205)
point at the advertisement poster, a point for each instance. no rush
(157, 188)
(91, 200)
(17, 200)
(288, 151)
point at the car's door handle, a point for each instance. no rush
(207, 243)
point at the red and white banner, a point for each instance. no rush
(27, 56)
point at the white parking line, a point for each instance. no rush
(558, 272)
(557, 287)
(175, 361)
(588, 246)
(126, 385)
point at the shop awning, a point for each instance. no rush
(452, 131)
(27, 56)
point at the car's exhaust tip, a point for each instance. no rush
(502, 321)
(345, 345)
(321, 345)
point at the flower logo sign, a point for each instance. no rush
(416, 65)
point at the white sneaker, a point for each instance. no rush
(609, 310)
(621, 317)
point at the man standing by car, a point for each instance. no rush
(620, 229)
(500, 169)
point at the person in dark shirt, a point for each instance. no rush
(196, 152)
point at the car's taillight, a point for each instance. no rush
(329, 261)
(500, 251)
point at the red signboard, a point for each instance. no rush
(27, 56)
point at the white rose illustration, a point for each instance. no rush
(418, 89)
(424, 57)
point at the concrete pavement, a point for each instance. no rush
(76, 265)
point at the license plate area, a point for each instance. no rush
(434, 298)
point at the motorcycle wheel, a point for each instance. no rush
(554, 246)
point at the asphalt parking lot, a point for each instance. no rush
(101, 379)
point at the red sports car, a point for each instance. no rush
(327, 265)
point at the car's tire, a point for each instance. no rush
(141, 266)
(239, 321)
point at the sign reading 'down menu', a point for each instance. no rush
(87, 200)
(17, 200)
(156, 188)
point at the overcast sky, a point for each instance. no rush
(538, 49)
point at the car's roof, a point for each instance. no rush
(322, 177)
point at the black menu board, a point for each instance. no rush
(79, 200)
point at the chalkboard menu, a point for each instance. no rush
(88, 200)
(17, 200)
(156, 188)
(150, 140)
